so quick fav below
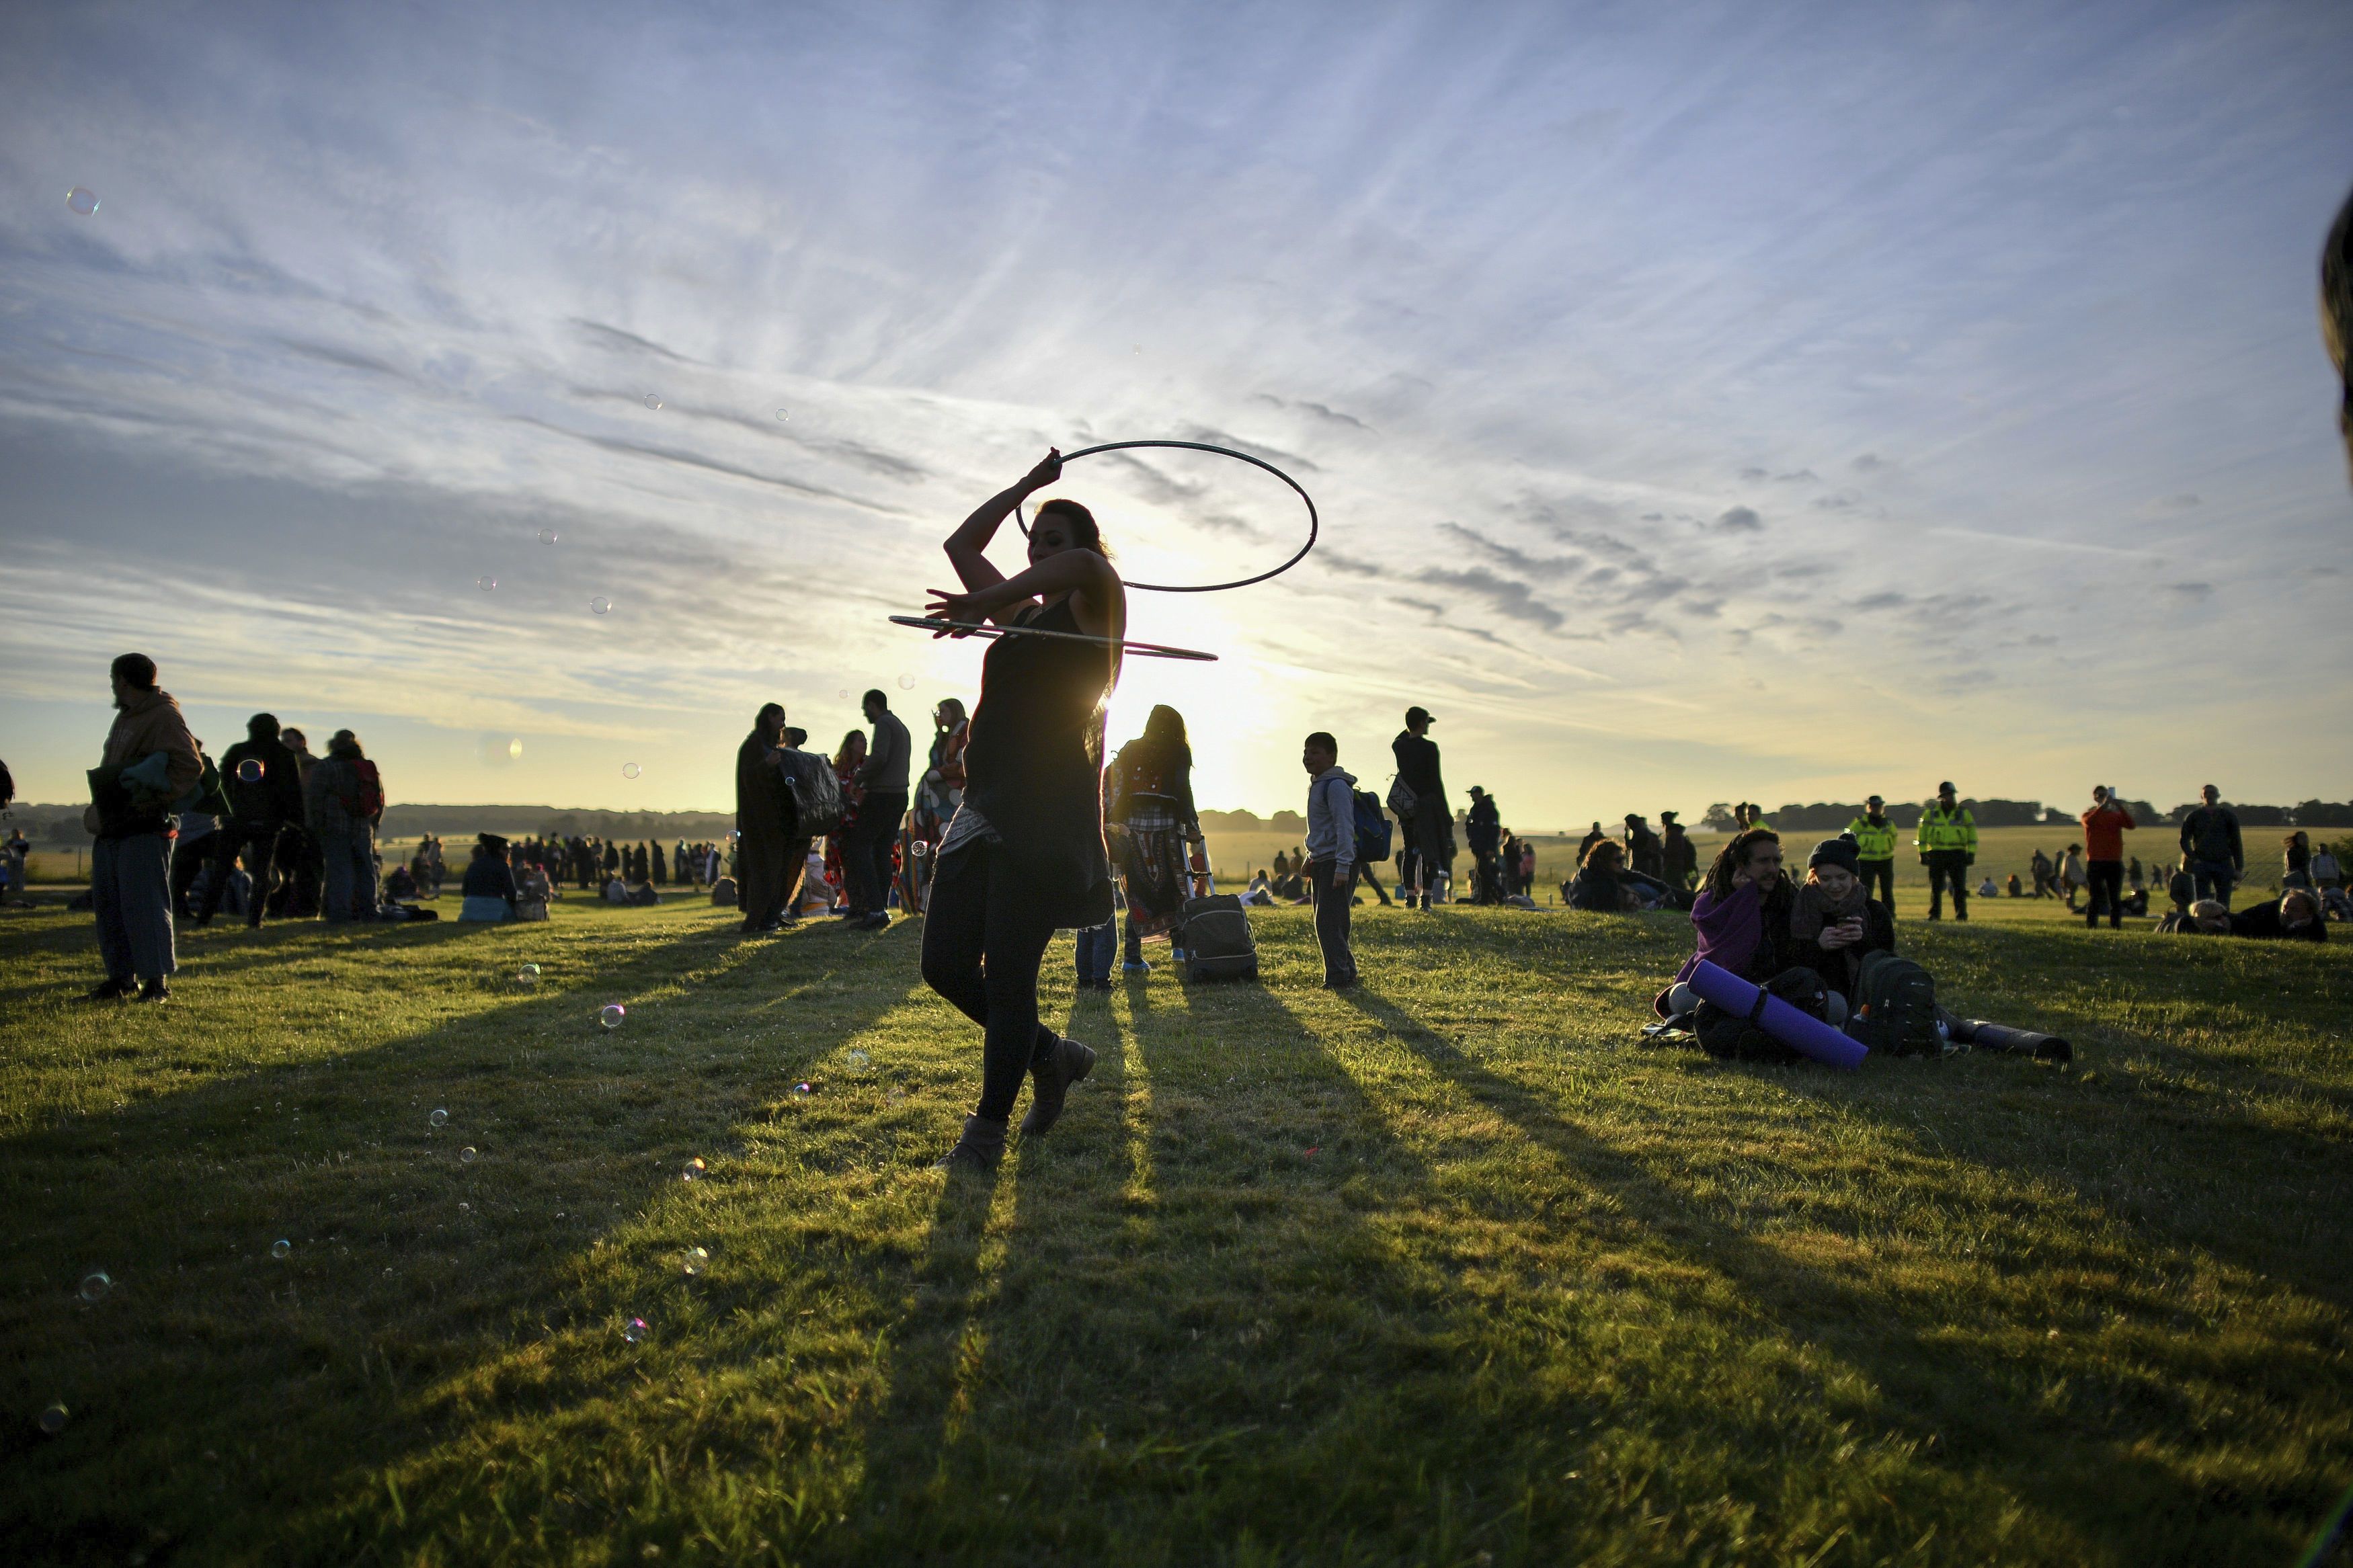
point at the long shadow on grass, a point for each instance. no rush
(224, 1397)
(1978, 1415)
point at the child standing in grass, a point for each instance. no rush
(1330, 854)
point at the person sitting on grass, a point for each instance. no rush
(1834, 921)
(490, 885)
(2016, 892)
(2294, 916)
(1597, 887)
(533, 893)
(1741, 917)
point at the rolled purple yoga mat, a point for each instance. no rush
(1801, 1031)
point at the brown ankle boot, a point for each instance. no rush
(980, 1148)
(1049, 1082)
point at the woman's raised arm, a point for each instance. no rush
(968, 545)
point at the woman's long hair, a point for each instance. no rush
(346, 744)
(953, 708)
(1732, 858)
(1083, 529)
(1164, 737)
(1608, 855)
(856, 738)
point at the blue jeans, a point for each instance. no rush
(350, 856)
(2215, 879)
(1096, 944)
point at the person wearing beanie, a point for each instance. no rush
(1835, 920)
(1678, 855)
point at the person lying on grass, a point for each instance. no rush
(2294, 916)
(1833, 921)
(2204, 916)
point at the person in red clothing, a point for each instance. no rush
(2104, 822)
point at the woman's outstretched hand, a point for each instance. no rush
(947, 606)
(1049, 470)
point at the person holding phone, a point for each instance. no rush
(1834, 921)
(2104, 821)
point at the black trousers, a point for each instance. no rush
(187, 859)
(258, 842)
(1884, 873)
(1949, 866)
(2107, 880)
(770, 875)
(866, 858)
(983, 937)
(1331, 893)
(297, 893)
(1363, 873)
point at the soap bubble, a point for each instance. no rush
(514, 750)
(95, 1285)
(612, 1015)
(653, 400)
(599, 605)
(857, 1060)
(784, 414)
(280, 1249)
(805, 1088)
(842, 695)
(486, 584)
(548, 536)
(906, 683)
(634, 1329)
(84, 202)
(695, 1259)
(250, 770)
(631, 770)
(921, 848)
(53, 1419)
(527, 975)
(466, 1155)
(694, 1169)
(439, 1119)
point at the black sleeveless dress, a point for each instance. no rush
(1034, 763)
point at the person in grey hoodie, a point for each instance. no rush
(882, 779)
(1330, 854)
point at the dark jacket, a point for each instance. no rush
(277, 796)
(1485, 828)
(1679, 858)
(1642, 851)
(1416, 765)
(1595, 889)
(1840, 966)
(764, 810)
(885, 769)
(2263, 920)
(487, 876)
(2211, 833)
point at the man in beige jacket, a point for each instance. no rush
(130, 877)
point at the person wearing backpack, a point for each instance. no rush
(1330, 854)
(259, 808)
(344, 799)
(1419, 798)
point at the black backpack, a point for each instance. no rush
(1895, 1007)
(816, 790)
(1218, 941)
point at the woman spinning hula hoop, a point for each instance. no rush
(1024, 856)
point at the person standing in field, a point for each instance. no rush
(343, 801)
(1946, 840)
(1154, 832)
(2104, 822)
(129, 867)
(1427, 820)
(2296, 860)
(1642, 849)
(2070, 874)
(1482, 828)
(2210, 843)
(1678, 855)
(1875, 852)
(2325, 873)
(882, 781)
(1330, 854)
(764, 865)
(263, 798)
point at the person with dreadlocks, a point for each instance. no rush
(1024, 856)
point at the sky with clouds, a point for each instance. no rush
(1702, 402)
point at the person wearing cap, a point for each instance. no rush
(1678, 855)
(1483, 828)
(1874, 848)
(490, 885)
(1946, 840)
(1834, 921)
(1428, 821)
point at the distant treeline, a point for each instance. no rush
(1830, 817)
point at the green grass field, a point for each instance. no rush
(1455, 1270)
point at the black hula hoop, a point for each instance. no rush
(1315, 524)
